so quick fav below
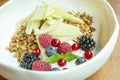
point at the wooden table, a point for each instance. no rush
(111, 69)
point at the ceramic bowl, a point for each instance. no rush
(104, 20)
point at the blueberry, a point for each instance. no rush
(51, 50)
(80, 60)
(55, 69)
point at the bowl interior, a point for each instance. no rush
(103, 21)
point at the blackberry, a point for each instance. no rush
(87, 43)
(27, 60)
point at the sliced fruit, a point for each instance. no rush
(65, 15)
(32, 25)
(66, 30)
(45, 28)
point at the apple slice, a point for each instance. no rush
(66, 30)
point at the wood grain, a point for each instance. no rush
(2, 2)
(111, 69)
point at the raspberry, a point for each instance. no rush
(64, 48)
(45, 40)
(41, 66)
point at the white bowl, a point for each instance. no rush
(106, 34)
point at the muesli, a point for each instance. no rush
(53, 39)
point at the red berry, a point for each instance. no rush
(88, 54)
(41, 66)
(55, 42)
(64, 48)
(37, 51)
(64, 68)
(45, 40)
(75, 47)
(62, 62)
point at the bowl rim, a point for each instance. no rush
(100, 53)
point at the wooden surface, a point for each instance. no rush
(111, 69)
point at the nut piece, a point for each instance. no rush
(22, 43)
(86, 30)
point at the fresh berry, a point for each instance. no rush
(51, 50)
(75, 46)
(27, 60)
(87, 43)
(37, 51)
(55, 69)
(41, 66)
(45, 40)
(64, 48)
(64, 68)
(80, 60)
(88, 54)
(62, 62)
(55, 42)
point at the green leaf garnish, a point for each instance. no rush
(56, 56)
(70, 56)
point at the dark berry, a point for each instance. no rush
(88, 54)
(80, 60)
(87, 43)
(75, 46)
(55, 42)
(37, 51)
(55, 69)
(51, 50)
(62, 62)
(27, 60)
